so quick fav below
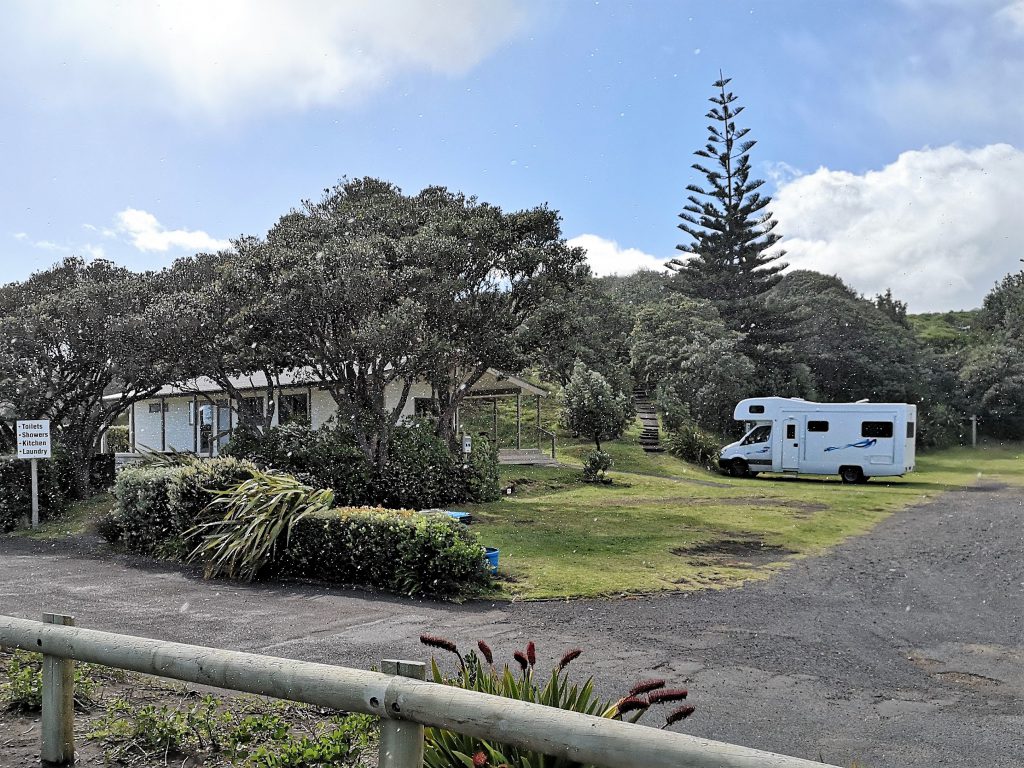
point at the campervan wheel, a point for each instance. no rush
(739, 468)
(852, 475)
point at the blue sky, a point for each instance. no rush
(891, 132)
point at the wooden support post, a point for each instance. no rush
(538, 419)
(58, 702)
(163, 425)
(401, 741)
(35, 492)
(494, 401)
(519, 421)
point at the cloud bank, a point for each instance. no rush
(232, 56)
(146, 233)
(607, 257)
(938, 226)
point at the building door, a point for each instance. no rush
(790, 446)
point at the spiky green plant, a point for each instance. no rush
(251, 517)
(477, 672)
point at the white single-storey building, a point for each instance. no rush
(198, 417)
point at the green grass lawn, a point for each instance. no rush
(667, 525)
(77, 518)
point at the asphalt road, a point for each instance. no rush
(902, 648)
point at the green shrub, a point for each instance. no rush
(322, 458)
(117, 439)
(690, 443)
(596, 466)
(400, 551)
(55, 477)
(481, 473)
(525, 682)
(249, 519)
(22, 681)
(422, 471)
(158, 503)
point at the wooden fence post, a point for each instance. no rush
(58, 702)
(401, 741)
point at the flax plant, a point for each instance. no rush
(250, 519)
(478, 672)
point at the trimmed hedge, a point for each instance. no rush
(156, 504)
(397, 550)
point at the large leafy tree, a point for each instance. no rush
(79, 344)
(223, 305)
(684, 353)
(853, 348)
(383, 289)
(585, 325)
(728, 260)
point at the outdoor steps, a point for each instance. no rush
(526, 456)
(650, 436)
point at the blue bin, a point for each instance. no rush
(491, 553)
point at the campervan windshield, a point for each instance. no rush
(760, 434)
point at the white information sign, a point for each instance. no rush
(33, 439)
(467, 444)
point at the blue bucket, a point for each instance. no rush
(491, 553)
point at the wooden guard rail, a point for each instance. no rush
(398, 695)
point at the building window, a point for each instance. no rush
(425, 406)
(817, 426)
(876, 429)
(293, 408)
(251, 407)
(155, 407)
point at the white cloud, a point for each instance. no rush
(148, 234)
(1012, 15)
(938, 226)
(606, 257)
(233, 56)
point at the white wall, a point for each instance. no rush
(147, 427)
(180, 434)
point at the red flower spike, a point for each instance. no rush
(679, 714)
(485, 649)
(644, 686)
(631, 704)
(668, 694)
(519, 657)
(439, 642)
(569, 657)
(479, 759)
(531, 653)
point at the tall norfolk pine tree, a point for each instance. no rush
(727, 221)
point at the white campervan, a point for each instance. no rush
(853, 440)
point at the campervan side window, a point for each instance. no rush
(876, 429)
(910, 429)
(757, 409)
(817, 426)
(759, 435)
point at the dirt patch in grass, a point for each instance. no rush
(734, 551)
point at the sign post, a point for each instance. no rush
(34, 444)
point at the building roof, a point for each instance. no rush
(492, 383)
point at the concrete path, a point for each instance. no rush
(903, 647)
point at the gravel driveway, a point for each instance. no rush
(903, 647)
